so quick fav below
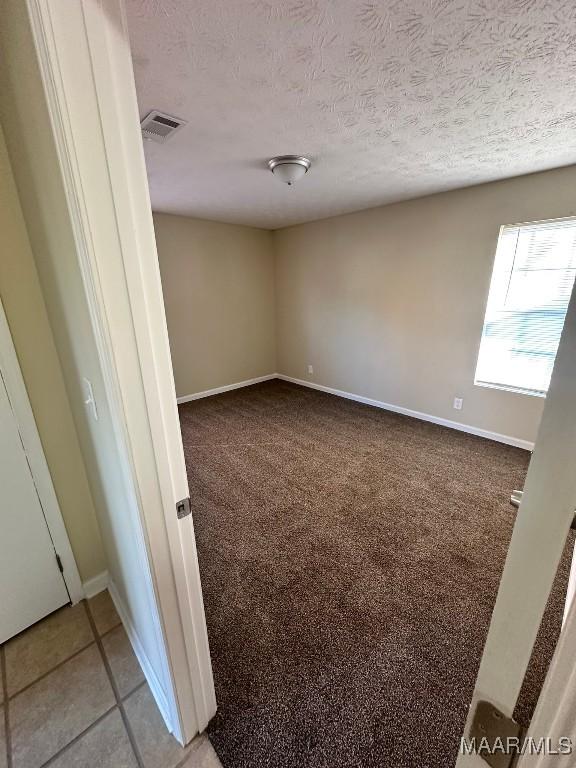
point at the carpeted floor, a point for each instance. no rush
(350, 559)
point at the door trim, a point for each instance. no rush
(538, 541)
(18, 396)
(553, 718)
(118, 232)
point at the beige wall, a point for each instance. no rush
(218, 284)
(389, 303)
(26, 313)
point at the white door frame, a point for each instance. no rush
(554, 717)
(18, 396)
(538, 541)
(104, 175)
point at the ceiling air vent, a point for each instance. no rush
(158, 126)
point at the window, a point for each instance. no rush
(531, 285)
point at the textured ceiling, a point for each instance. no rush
(391, 100)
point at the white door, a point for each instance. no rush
(31, 584)
(542, 524)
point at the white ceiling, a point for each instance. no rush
(390, 100)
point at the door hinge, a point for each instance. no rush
(494, 736)
(59, 561)
(183, 508)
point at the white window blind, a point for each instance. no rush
(531, 284)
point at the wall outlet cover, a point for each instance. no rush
(310, 369)
(458, 403)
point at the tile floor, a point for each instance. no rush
(73, 696)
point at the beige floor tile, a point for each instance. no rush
(202, 754)
(3, 755)
(49, 642)
(124, 664)
(104, 746)
(49, 714)
(103, 612)
(158, 748)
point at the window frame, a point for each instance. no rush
(508, 387)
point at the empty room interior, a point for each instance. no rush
(365, 223)
(361, 356)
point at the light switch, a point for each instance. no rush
(89, 400)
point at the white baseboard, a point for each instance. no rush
(95, 585)
(496, 436)
(225, 388)
(507, 439)
(149, 673)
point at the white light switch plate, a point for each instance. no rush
(89, 400)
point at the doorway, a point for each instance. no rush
(39, 574)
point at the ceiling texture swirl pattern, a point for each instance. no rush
(391, 100)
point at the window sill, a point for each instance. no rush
(515, 390)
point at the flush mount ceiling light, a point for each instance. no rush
(289, 168)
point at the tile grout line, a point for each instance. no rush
(109, 631)
(184, 760)
(133, 690)
(117, 696)
(49, 672)
(83, 733)
(189, 753)
(193, 747)
(7, 732)
(78, 736)
(7, 698)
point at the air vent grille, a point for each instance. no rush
(158, 126)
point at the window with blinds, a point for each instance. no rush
(531, 285)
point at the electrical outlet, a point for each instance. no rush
(458, 403)
(310, 369)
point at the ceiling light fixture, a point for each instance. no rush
(289, 168)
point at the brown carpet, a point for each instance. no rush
(350, 559)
